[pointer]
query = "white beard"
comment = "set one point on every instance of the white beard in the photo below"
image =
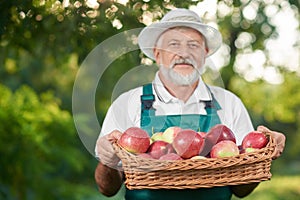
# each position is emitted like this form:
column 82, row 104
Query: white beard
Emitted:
column 179, row 79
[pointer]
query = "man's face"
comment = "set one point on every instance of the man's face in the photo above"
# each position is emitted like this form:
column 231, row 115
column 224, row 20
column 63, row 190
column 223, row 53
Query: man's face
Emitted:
column 180, row 53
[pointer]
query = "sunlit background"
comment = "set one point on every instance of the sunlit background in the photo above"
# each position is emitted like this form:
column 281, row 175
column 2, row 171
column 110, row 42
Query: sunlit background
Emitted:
column 280, row 49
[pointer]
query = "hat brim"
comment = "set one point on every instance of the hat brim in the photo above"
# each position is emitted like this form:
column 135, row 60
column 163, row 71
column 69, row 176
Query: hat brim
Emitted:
column 148, row 36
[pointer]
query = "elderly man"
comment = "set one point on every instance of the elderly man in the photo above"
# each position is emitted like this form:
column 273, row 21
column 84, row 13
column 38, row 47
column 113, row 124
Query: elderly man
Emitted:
column 179, row 44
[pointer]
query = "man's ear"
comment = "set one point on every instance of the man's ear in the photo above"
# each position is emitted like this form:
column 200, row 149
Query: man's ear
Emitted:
column 156, row 54
column 206, row 50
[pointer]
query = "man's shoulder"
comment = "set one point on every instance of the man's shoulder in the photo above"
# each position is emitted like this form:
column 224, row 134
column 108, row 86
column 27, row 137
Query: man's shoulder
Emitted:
column 220, row 92
column 219, row 89
column 129, row 94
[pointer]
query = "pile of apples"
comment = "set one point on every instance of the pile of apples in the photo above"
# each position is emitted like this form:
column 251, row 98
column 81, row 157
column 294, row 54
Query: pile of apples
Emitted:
column 176, row 143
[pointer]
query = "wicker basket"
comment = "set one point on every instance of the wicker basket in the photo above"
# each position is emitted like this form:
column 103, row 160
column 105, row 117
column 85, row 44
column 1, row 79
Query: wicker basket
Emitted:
column 143, row 173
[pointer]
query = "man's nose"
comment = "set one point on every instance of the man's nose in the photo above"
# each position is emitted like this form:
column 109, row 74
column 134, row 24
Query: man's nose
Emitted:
column 184, row 51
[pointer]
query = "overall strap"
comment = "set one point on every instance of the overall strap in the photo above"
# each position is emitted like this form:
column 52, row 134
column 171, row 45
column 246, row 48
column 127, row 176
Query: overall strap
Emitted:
column 147, row 99
column 211, row 105
column 147, row 110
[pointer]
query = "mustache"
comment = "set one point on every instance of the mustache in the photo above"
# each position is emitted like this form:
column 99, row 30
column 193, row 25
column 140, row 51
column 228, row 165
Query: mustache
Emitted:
column 188, row 61
column 183, row 61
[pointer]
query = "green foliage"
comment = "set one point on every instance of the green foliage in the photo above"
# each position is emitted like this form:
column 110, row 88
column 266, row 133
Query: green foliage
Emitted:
column 278, row 188
column 277, row 107
column 273, row 102
column 235, row 23
column 40, row 150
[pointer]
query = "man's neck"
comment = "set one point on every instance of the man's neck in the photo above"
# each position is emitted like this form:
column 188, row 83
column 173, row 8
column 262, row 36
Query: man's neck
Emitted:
column 181, row 92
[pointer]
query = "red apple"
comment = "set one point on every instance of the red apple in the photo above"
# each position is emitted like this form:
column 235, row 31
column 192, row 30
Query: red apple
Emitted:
column 247, row 150
column 255, row 139
column 188, row 143
column 223, row 149
column 240, row 148
column 159, row 148
column 216, row 134
column 135, row 140
column 221, row 132
column 170, row 156
column 145, row 155
column 170, row 133
column 170, row 149
column 203, row 134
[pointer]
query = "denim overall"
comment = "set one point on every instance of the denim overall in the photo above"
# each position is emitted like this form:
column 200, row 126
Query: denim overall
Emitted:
column 152, row 124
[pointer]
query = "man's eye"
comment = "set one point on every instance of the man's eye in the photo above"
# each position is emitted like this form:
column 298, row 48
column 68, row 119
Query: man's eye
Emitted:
column 174, row 44
column 193, row 45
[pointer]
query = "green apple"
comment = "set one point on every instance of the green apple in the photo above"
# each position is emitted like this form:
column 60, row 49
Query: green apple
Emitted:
column 157, row 136
column 170, row 133
column 225, row 148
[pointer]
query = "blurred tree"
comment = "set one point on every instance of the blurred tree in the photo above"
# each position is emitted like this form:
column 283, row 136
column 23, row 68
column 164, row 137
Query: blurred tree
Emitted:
column 277, row 107
column 41, row 154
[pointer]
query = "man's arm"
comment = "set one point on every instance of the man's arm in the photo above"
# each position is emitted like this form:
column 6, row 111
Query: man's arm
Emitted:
column 109, row 180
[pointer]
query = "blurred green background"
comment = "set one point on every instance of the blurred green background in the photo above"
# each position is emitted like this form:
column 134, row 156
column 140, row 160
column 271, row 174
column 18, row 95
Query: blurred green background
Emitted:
column 43, row 43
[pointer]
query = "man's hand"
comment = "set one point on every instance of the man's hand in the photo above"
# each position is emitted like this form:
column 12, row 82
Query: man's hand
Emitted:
column 105, row 149
column 279, row 139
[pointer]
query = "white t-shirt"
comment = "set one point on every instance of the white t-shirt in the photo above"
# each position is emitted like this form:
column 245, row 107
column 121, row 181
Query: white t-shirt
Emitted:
column 125, row 111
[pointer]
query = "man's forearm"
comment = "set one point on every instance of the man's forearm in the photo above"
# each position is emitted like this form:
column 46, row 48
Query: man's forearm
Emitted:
column 109, row 180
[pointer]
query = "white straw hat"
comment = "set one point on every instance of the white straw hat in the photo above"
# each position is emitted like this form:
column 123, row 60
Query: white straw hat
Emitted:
column 179, row 17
